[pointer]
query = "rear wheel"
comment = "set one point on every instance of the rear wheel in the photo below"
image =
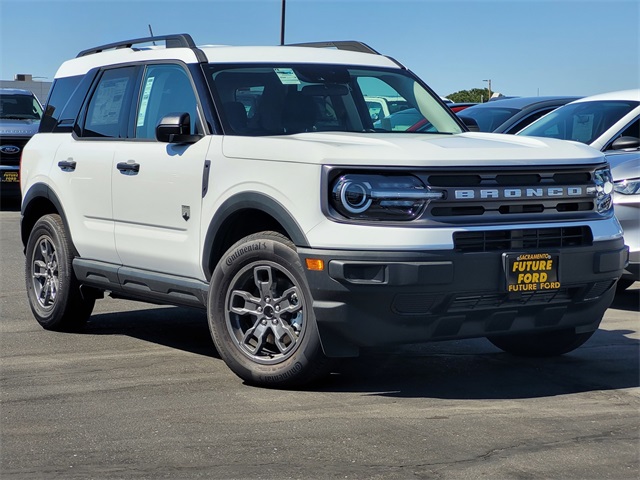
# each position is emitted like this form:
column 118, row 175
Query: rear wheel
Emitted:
column 52, row 288
column 541, row 344
column 260, row 314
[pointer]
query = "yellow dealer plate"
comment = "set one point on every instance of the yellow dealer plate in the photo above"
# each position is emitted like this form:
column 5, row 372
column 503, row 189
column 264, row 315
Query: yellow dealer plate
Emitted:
column 531, row 272
column 10, row 177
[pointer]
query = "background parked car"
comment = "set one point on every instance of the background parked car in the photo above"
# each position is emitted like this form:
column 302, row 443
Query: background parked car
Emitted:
column 609, row 122
column 458, row 107
column 20, row 114
column 510, row 115
column 625, row 168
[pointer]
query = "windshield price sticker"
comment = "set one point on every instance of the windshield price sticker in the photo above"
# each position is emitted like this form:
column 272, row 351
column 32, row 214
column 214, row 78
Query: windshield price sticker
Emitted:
column 531, row 272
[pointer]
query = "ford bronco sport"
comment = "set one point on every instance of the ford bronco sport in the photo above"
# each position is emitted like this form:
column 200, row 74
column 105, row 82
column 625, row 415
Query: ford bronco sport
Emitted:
column 252, row 182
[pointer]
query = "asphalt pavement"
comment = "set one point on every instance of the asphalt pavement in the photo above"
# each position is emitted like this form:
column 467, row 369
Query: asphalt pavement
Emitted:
column 141, row 393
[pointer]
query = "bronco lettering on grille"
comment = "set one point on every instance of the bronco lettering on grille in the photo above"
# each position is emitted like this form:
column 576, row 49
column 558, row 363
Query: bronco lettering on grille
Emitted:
column 537, row 192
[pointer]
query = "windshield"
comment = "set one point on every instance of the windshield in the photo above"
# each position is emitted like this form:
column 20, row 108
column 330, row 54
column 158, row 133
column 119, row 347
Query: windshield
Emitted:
column 583, row 121
column 488, row 118
column 19, row 107
column 287, row 99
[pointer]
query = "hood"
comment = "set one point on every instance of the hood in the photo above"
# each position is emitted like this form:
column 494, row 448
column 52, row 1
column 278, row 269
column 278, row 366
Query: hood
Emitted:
column 624, row 165
column 411, row 149
column 15, row 127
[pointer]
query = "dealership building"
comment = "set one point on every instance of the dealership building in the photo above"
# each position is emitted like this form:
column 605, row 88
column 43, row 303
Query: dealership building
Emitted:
column 27, row 82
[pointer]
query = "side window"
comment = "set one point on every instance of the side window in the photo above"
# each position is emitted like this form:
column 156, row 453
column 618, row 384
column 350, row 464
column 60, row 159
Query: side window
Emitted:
column 165, row 89
column 60, row 94
column 108, row 110
column 631, row 130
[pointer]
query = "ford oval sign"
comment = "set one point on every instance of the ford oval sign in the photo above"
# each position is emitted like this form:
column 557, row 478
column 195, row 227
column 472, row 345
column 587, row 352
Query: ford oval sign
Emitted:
column 9, row 149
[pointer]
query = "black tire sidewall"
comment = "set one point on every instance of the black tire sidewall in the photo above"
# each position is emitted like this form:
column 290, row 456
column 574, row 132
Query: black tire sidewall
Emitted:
column 297, row 368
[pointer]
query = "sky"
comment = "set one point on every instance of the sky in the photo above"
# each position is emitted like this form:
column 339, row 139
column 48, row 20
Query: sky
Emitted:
column 525, row 47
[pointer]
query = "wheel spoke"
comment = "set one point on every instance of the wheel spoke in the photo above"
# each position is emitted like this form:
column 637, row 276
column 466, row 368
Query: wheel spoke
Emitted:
column 45, row 250
column 258, row 332
column 249, row 306
column 288, row 302
column 44, row 292
column 264, row 281
column 285, row 337
column 39, row 269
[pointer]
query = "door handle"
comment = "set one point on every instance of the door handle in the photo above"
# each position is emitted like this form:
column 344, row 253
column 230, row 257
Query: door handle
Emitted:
column 128, row 168
column 68, row 165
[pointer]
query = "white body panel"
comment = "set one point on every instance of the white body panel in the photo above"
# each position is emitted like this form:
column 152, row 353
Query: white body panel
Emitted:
column 148, row 207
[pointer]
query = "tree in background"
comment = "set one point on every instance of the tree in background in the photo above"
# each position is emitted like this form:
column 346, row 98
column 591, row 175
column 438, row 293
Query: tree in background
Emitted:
column 476, row 95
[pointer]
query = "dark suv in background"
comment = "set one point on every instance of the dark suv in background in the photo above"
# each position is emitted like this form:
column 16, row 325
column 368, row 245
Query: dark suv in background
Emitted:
column 20, row 114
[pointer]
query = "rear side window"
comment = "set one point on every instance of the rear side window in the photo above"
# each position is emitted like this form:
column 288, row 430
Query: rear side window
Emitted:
column 61, row 92
column 108, row 109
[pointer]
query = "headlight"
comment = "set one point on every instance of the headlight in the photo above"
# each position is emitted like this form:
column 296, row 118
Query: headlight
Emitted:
column 627, row 187
column 380, row 197
column 604, row 187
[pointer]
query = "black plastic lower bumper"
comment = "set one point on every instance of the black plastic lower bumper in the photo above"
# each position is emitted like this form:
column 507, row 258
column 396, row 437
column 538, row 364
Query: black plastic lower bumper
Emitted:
column 370, row 298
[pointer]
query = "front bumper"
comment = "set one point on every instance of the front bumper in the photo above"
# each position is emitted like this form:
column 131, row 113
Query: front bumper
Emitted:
column 371, row 298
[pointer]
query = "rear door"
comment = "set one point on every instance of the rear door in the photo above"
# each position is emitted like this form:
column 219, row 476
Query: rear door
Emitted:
column 83, row 164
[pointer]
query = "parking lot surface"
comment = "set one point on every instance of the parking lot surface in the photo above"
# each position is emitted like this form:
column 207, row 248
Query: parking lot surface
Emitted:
column 141, row 393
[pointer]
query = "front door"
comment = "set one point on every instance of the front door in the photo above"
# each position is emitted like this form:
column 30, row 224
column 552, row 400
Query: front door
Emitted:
column 157, row 187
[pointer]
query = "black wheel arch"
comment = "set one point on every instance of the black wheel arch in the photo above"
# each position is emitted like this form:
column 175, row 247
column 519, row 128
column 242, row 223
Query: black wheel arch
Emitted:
column 242, row 215
column 40, row 200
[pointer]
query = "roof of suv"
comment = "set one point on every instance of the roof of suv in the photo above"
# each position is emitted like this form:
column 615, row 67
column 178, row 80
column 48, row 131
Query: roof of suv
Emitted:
column 301, row 53
column 15, row 91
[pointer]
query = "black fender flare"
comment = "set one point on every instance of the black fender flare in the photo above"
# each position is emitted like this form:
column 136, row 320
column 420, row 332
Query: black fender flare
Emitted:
column 39, row 190
column 252, row 201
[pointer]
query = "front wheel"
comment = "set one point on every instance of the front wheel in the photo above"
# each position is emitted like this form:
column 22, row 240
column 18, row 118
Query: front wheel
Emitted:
column 261, row 316
column 541, row 344
column 52, row 288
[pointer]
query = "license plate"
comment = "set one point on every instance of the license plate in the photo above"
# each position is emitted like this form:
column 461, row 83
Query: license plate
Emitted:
column 10, row 177
column 531, row 272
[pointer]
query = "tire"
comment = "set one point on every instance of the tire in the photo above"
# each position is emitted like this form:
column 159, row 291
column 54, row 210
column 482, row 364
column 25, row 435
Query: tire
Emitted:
column 260, row 314
column 52, row 288
column 542, row 344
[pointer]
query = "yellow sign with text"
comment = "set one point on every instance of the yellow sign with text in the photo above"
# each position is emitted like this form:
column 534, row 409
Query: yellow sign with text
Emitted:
column 531, row 272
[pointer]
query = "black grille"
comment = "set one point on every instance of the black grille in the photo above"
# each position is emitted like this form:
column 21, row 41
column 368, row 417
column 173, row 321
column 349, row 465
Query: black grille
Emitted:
column 472, row 302
column 503, row 240
column 9, row 156
column 518, row 194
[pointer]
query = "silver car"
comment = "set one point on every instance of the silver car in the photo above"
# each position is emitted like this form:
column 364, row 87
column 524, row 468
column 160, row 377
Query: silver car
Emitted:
column 625, row 168
column 609, row 122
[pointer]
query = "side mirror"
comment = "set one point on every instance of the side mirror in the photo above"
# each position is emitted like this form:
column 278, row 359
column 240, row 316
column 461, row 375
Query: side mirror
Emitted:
column 470, row 123
column 623, row 143
column 176, row 128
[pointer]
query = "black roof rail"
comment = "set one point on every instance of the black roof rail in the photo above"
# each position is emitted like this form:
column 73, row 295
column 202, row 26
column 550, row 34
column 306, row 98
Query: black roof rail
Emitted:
column 179, row 40
column 351, row 45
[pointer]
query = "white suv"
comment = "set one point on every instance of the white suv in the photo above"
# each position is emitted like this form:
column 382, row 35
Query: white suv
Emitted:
column 251, row 182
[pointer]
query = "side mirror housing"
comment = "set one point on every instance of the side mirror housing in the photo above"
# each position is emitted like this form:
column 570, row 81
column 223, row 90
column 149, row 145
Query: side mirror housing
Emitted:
column 623, row 143
column 470, row 123
column 176, row 128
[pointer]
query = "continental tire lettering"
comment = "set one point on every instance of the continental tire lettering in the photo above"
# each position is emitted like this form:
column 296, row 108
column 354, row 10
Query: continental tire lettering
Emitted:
column 243, row 250
column 283, row 376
